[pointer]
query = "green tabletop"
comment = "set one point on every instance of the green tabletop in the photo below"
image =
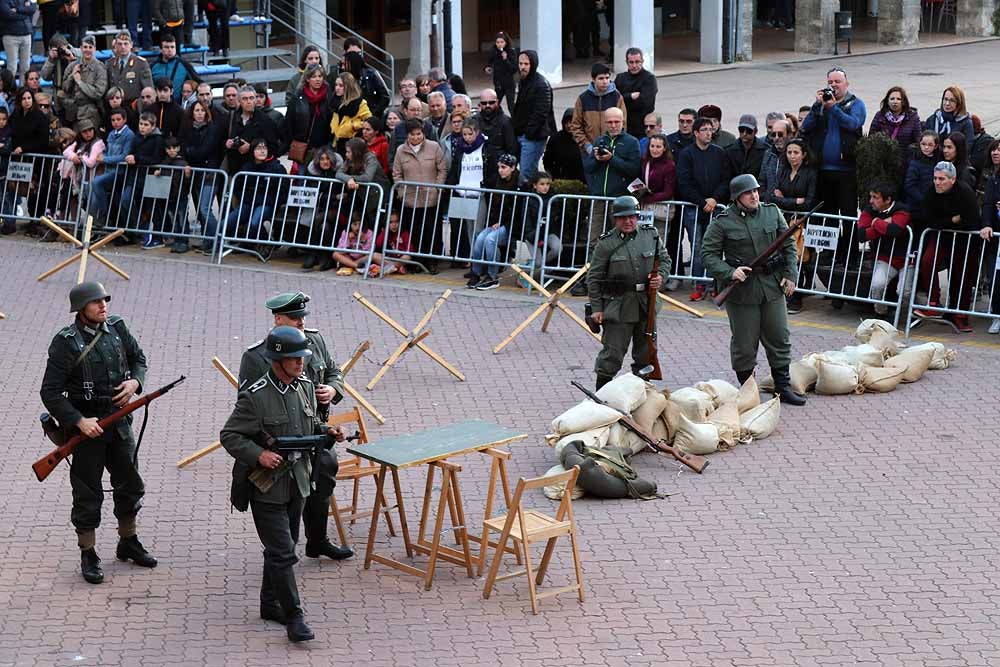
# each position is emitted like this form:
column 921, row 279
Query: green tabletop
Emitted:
column 434, row 444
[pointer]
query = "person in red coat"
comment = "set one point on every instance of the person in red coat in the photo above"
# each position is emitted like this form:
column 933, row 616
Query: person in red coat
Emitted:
column 372, row 131
column 884, row 224
column 659, row 173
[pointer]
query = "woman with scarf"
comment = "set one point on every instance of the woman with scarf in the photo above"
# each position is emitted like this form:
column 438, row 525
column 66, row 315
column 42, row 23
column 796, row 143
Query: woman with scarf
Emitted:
column 952, row 116
column 309, row 115
column 467, row 169
column 897, row 119
column 374, row 135
column 351, row 112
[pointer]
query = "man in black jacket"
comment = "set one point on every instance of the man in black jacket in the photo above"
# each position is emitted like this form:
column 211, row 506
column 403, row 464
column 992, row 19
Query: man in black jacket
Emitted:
column 533, row 120
column 638, row 87
column 243, row 127
column 499, row 133
column 747, row 154
column 684, row 136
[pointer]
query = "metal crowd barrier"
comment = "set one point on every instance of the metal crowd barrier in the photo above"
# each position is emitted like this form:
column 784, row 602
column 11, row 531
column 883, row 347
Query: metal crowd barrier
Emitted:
column 267, row 211
column 971, row 267
column 571, row 219
column 422, row 207
column 849, row 269
column 160, row 201
column 682, row 226
column 32, row 186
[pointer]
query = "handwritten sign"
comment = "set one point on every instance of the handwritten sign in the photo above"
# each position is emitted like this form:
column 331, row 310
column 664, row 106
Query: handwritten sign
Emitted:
column 303, row 196
column 20, row 171
column 821, row 238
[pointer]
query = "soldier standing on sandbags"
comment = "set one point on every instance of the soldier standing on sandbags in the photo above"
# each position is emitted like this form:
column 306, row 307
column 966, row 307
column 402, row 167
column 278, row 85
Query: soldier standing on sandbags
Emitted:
column 616, row 283
column 756, row 308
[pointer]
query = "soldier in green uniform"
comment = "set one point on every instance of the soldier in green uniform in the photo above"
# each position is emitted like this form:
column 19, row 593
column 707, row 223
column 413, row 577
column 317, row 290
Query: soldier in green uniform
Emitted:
column 281, row 402
column 95, row 366
column 289, row 309
column 620, row 268
column 756, row 307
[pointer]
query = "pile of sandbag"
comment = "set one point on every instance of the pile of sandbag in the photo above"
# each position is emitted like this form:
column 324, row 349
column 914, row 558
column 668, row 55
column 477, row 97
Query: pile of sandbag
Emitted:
column 878, row 363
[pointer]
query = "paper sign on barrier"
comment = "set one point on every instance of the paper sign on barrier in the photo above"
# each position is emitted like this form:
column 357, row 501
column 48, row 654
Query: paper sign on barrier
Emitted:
column 463, row 208
column 646, row 217
column 821, row 238
column 156, row 187
column 303, row 196
column 20, row 171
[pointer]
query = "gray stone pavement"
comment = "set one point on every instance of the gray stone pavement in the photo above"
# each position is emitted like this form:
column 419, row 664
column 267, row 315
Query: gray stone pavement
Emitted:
column 863, row 532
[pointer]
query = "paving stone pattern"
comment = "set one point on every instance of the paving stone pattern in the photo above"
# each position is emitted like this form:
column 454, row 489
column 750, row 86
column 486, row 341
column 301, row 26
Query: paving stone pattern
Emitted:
column 863, row 532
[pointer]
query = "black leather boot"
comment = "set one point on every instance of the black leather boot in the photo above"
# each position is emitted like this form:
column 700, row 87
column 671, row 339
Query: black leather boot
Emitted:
column 329, row 550
column 90, row 566
column 310, row 261
column 782, row 380
column 743, row 376
column 603, row 380
column 298, row 631
column 272, row 612
column 130, row 548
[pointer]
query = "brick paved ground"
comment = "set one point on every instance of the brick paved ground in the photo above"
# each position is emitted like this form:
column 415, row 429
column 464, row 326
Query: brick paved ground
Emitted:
column 863, row 532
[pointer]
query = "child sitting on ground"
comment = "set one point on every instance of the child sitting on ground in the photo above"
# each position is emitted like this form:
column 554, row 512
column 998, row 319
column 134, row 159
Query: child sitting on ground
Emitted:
column 357, row 243
column 398, row 245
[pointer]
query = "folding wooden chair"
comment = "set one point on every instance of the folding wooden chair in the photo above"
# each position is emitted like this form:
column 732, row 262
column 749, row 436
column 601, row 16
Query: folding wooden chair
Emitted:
column 526, row 526
column 354, row 469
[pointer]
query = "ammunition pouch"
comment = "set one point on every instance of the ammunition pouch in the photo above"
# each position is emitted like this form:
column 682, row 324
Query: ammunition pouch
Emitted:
column 239, row 492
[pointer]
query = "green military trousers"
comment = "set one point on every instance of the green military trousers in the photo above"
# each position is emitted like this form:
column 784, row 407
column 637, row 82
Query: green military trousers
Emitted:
column 616, row 340
column 759, row 323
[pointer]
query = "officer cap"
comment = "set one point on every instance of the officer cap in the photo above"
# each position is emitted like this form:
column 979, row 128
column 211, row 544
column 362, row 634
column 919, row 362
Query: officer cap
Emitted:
column 742, row 183
column 84, row 293
column 624, row 205
column 292, row 304
column 284, row 342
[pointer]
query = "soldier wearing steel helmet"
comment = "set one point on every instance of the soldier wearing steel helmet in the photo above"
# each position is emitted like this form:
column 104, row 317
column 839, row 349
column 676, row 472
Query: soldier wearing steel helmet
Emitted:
column 95, row 366
column 289, row 309
column 281, row 402
column 620, row 271
column 756, row 307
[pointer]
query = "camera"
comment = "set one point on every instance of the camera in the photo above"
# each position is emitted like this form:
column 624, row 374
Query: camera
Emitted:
column 827, row 94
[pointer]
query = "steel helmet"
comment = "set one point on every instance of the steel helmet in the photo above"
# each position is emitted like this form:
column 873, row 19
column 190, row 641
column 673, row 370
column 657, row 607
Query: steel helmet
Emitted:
column 284, row 342
column 84, row 293
column 624, row 205
column 742, row 183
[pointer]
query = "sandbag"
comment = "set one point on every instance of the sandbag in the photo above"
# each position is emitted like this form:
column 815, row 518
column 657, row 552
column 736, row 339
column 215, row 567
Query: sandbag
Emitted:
column 650, row 409
column 864, row 355
column 886, row 343
column 916, row 362
column 671, row 418
column 556, row 491
column 760, row 422
column 865, row 330
column 720, row 391
column 748, row 396
column 880, row 379
column 595, row 437
column 802, row 378
column 626, row 392
column 696, row 438
column 835, row 379
column 727, row 419
column 584, row 416
column 942, row 357
column 606, row 476
column 635, row 444
column 693, row 403
column 617, row 436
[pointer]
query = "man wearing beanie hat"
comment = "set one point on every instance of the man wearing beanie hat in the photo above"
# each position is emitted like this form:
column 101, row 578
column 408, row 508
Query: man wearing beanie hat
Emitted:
column 720, row 137
column 747, row 154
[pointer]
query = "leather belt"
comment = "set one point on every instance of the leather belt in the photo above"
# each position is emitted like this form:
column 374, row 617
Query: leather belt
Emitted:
column 640, row 287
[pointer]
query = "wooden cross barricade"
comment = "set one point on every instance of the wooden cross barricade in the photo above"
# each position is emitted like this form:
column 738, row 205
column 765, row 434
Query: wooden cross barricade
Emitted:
column 411, row 338
column 87, row 249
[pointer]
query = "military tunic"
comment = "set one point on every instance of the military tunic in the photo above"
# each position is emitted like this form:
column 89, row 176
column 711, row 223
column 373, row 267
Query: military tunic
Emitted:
column 85, row 99
column 77, row 386
column 271, row 406
column 756, row 307
column 616, row 283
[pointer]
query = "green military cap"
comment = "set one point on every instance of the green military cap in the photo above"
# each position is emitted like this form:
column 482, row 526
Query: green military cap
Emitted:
column 292, row 304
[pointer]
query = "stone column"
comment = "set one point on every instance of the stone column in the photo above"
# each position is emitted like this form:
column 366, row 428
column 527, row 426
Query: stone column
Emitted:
column 541, row 31
column 975, row 18
column 711, row 31
column 746, row 10
column 814, row 25
column 420, row 37
column 312, row 24
column 899, row 22
column 634, row 26
column 456, row 38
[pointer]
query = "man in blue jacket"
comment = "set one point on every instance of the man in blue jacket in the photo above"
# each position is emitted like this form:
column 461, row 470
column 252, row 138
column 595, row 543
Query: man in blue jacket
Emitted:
column 119, row 146
column 170, row 65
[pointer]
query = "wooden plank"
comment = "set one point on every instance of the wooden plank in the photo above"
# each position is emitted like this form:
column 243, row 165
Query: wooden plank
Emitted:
column 430, row 445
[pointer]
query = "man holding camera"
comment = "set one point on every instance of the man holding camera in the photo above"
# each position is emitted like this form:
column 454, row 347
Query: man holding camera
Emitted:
column 244, row 126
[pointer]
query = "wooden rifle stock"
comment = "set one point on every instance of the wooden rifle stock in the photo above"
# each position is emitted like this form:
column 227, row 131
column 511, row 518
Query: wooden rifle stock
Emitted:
column 44, row 466
column 654, row 358
column 694, row 461
column 762, row 259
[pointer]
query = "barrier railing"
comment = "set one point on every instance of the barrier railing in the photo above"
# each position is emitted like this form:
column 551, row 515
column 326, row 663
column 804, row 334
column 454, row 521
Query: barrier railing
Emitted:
column 575, row 222
column 682, row 225
column 955, row 269
column 35, row 185
column 422, row 207
column 266, row 211
column 158, row 202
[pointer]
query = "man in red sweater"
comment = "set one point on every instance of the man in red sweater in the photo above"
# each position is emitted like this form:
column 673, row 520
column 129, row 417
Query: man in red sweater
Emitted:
column 884, row 223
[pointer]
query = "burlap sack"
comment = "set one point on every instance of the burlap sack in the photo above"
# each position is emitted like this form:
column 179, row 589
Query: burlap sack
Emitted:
column 885, row 342
column 880, row 379
column 916, row 362
column 864, row 355
column 748, row 396
column 626, row 392
column 596, row 438
column 865, row 330
column 556, row 491
column 671, row 418
column 617, row 436
column 727, row 419
column 720, row 391
column 650, row 409
column 942, row 357
column 835, row 379
column 637, row 444
column 760, row 422
column 694, row 403
column 696, row 438
column 802, row 378
column 582, row 417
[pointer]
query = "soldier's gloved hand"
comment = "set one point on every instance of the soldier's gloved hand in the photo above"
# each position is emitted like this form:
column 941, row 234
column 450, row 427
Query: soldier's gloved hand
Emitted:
column 787, row 286
column 125, row 391
column 89, row 427
column 269, row 459
column 324, row 393
column 741, row 273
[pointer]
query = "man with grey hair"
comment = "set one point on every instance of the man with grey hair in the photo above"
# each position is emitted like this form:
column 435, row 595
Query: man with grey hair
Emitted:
column 245, row 125
column 439, row 81
column 462, row 102
column 770, row 166
column 438, row 117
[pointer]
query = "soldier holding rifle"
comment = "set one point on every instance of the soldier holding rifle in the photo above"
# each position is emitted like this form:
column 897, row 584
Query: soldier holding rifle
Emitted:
column 617, row 283
column 756, row 309
column 95, row 365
